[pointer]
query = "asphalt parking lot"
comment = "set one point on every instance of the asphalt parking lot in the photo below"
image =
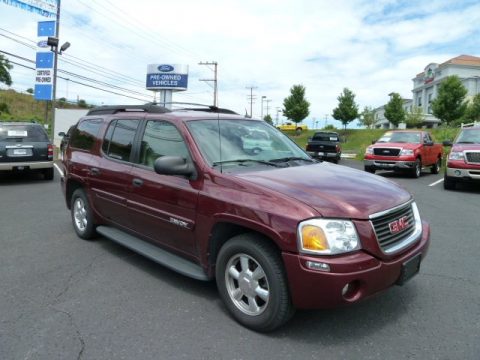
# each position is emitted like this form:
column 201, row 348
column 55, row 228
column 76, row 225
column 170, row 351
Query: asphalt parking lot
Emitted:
column 65, row 298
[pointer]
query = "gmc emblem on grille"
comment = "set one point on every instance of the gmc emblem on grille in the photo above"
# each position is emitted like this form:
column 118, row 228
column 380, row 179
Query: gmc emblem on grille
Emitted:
column 399, row 225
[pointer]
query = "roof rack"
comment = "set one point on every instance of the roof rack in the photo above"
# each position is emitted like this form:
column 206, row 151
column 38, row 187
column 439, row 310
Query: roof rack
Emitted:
column 113, row 109
column 199, row 107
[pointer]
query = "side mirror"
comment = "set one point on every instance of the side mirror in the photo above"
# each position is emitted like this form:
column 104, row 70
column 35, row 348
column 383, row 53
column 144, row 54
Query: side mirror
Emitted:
column 374, row 141
column 61, row 133
column 447, row 143
column 174, row 165
column 428, row 143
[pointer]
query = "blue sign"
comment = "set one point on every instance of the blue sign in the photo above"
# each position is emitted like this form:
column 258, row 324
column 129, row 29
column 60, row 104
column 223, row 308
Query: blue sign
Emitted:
column 44, row 60
column 46, row 8
column 43, row 92
column 167, row 81
column 46, row 28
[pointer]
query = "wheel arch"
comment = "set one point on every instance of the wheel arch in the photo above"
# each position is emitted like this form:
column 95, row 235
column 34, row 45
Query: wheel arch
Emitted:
column 70, row 188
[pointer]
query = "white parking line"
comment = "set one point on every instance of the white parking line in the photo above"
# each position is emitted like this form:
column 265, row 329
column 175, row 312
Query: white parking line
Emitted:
column 58, row 169
column 436, row 182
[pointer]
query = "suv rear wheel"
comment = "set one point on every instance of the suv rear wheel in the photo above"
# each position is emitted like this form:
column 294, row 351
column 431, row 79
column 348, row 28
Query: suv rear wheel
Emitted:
column 82, row 217
column 252, row 283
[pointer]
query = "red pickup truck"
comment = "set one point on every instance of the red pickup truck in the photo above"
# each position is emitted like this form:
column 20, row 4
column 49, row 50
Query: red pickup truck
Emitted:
column 404, row 150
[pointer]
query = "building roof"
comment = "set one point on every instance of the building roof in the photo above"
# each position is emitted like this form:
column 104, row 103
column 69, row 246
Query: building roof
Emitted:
column 467, row 60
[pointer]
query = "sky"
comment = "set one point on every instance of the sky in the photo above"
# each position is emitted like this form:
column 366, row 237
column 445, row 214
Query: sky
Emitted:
column 371, row 47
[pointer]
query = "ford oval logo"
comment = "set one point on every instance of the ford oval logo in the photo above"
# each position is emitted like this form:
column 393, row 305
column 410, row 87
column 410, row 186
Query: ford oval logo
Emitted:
column 42, row 44
column 165, row 68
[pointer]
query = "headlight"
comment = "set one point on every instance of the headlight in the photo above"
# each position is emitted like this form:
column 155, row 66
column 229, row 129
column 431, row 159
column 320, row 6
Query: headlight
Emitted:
column 456, row 156
column 327, row 237
column 369, row 151
column 406, row 152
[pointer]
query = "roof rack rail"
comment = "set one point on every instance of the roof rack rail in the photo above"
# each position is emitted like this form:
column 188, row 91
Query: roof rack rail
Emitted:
column 114, row 109
column 199, row 107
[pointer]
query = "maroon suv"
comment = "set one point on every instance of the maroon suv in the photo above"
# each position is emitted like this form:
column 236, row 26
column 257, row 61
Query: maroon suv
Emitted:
column 277, row 229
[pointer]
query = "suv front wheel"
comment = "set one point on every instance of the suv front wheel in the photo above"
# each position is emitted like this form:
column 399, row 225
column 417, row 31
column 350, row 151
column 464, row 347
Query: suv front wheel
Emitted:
column 82, row 217
column 252, row 283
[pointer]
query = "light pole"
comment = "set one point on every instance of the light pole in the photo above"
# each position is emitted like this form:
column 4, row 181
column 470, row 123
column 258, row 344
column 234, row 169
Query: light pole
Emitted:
column 268, row 101
column 261, row 110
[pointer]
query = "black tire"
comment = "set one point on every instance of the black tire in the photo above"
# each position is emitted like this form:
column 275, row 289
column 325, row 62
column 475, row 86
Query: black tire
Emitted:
column 82, row 216
column 435, row 169
column 263, row 302
column 449, row 183
column 369, row 169
column 417, row 169
column 48, row 174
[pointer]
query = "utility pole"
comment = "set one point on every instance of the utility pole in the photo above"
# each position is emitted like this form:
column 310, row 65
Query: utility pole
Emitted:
column 268, row 101
column 251, row 97
column 278, row 112
column 326, row 118
column 215, row 80
column 261, row 110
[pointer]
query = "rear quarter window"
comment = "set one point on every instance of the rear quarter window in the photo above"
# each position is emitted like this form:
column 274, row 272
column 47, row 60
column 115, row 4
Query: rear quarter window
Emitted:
column 84, row 135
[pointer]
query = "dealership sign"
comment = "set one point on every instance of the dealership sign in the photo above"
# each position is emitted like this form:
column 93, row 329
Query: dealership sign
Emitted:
column 47, row 8
column 167, row 77
column 44, row 61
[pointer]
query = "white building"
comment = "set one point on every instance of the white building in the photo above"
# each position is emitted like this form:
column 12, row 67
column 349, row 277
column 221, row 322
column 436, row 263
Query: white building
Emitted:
column 425, row 86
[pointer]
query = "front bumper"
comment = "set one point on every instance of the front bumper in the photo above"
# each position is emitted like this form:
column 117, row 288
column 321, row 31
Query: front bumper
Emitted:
column 324, row 155
column 316, row 289
column 390, row 164
column 32, row 165
column 463, row 174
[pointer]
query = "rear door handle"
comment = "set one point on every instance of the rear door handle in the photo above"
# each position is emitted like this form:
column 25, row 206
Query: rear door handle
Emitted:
column 94, row 171
column 137, row 182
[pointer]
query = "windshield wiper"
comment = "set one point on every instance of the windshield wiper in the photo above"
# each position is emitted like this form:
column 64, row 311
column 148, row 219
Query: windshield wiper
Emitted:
column 242, row 161
column 292, row 158
column 466, row 142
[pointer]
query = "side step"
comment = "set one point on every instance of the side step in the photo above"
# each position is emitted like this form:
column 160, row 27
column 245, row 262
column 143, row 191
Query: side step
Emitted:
column 165, row 258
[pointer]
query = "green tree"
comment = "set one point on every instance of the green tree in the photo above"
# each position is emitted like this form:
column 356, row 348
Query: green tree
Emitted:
column 473, row 109
column 268, row 119
column 296, row 107
column 5, row 66
column 450, row 105
column 347, row 109
column 4, row 108
column 415, row 117
column 82, row 104
column 367, row 117
column 30, row 90
column 394, row 111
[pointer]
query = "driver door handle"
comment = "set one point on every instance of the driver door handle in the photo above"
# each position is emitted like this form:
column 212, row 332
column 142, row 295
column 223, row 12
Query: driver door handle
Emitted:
column 137, row 182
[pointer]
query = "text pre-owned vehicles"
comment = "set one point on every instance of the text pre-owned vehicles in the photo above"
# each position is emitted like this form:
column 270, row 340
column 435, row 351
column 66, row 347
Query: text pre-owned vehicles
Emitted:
column 325, row 145
column 25, row 147
column 463, row 162
column 275, row 228
column 404, row 150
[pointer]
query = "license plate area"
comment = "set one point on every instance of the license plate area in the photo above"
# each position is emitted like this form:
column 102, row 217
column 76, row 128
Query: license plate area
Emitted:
column 410, row 268
column 21, row 152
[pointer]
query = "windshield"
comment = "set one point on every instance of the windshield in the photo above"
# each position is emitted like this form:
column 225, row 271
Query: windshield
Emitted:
column 22, row 133
column 400, row 137
column 325, row 137
column 243, row 143
column 469, row 137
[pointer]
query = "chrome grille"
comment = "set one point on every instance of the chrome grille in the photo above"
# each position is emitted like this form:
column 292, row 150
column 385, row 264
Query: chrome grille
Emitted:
column 386, row 151
column 473, row 156
column 381, row 224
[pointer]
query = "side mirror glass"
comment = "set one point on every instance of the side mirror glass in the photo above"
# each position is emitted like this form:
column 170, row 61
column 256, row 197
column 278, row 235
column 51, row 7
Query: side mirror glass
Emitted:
column 61, row 133
column 447, row 143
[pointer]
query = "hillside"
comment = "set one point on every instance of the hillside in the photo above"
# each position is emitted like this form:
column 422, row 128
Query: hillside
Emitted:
column 23, row 107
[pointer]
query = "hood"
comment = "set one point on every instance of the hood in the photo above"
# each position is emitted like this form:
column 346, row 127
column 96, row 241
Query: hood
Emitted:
column 465, row 147
column 333, row 190
column 396, row 145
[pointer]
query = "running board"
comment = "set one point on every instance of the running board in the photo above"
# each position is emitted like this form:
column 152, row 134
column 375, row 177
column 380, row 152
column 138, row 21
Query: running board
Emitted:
column 165, row 258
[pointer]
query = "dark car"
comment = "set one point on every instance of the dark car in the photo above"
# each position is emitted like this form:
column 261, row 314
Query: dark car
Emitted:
column 325, row 145
column 25, row 147
column 275, row 228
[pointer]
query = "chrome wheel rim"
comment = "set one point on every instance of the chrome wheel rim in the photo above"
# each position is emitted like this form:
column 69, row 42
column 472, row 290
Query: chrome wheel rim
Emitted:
column 80, row 214
column 247, row 284
column 418, row 168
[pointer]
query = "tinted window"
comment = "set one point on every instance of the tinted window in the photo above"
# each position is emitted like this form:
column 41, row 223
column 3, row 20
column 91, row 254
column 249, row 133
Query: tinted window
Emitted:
column 325, row 137
column 161, row 138
column 23, row 133
column 84, row 135
column 122, row 135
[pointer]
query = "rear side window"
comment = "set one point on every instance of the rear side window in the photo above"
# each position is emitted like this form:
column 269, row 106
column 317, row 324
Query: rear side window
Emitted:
column 84, row 135
column 118, row 139
column 23, row 133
